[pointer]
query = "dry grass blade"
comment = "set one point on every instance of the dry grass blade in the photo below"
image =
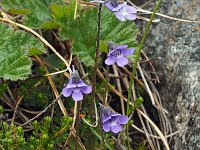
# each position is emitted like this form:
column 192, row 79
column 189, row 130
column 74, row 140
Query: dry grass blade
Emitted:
column 53, row 87
column 162, row 15
column 156, row 129
column 119, row 87
column 146, row 85
column 15, row 110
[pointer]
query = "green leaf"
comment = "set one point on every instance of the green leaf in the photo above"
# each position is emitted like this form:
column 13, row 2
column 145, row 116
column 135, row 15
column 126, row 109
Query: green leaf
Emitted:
column 137, row 103
column 1, row 109
column 15, row 46
column 103, row 47
column 36, row 12
column 83, row 32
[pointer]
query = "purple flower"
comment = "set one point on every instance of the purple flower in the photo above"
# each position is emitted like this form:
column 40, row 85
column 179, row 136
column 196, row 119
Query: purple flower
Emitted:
column 118, row 53
column 111, row 120
column 76, row 87
column 122, row 11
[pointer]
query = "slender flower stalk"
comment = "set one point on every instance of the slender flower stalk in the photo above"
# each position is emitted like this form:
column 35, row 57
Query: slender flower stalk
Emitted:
column 96, row 59
column 91, row 139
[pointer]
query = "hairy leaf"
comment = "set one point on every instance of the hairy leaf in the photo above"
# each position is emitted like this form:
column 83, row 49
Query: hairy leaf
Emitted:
column 15, row 46
column 36, row 12
column 83, row 32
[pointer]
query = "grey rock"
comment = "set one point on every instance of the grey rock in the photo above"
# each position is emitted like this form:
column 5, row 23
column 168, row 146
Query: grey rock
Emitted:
column 178, row 43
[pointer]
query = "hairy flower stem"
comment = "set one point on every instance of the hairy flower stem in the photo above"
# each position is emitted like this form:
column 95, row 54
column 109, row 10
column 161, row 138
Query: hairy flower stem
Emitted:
column 77, row 123
column 137, row 54
column 96, row 60
column 92, row 140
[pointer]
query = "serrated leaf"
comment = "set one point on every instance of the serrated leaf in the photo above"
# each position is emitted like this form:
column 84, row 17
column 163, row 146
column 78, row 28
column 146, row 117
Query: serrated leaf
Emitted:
column 83, row 32
column 36, row 12
column 14, row 49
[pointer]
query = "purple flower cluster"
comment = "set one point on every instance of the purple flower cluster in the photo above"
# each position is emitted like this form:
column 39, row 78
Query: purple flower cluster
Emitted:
column 122, row 11
column 118, row 54
column 112, row 121
column 76, row 87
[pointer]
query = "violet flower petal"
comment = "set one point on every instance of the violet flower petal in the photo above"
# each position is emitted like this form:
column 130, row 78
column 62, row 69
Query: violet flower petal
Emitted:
column 114, row 114
column 127, row 51
column 116, row 128
column 130, row 16
column 112, row 50
column 81, row 84
column 109, row 5
column 106, row 127
column 119, row 16
column 106, row 116
column 77, row 95
column 86, row 89
column 122, row 61
column 122, row 119
column 131, row 9
column 121, row 46
column 70, row 84
column 66, row 92
column 109, row 61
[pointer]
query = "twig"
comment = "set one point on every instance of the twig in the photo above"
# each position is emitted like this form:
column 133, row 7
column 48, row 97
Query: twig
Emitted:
column 62, row 71
column 1, row 147
column 96, row 116
column 15, row 110
column 72, row 133
column 43, row 111
column 61, row 105
column 162, row 15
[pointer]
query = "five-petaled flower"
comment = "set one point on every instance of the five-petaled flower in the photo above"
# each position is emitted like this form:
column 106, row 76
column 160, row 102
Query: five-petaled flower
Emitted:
column 118, row 53
column 122, row 11
column 76, row 87
column 111, row 120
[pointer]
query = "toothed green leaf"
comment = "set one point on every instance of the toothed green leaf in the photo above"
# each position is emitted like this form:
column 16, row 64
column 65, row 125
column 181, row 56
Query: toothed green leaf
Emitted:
column 15, row 47
column 36, row 12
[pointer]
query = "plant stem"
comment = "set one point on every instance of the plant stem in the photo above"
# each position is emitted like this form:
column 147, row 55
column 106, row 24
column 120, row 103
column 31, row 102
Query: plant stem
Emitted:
column 96, row 58
column 77, row 124
column 137, row 53
column 92, row 139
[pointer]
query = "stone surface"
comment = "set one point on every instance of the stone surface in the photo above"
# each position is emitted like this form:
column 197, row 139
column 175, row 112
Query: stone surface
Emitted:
column 178, row 43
